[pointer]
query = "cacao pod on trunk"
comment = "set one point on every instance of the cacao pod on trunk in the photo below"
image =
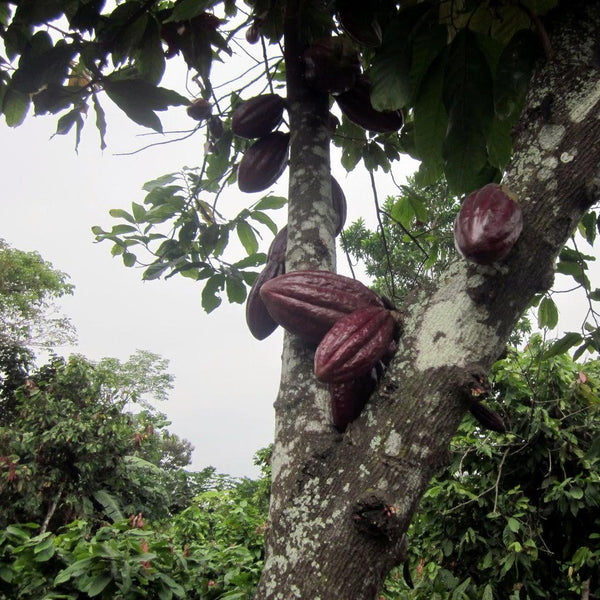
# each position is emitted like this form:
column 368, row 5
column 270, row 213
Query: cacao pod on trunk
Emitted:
column 258, row 319
column 354, row 345
column 331, row 65
column 487, row 417
column 257, row 116
column 489, row 223
column 309, row 303
column 278, row 247
column 339, row 204
column 349, row 398
column 263, row 162
column 356, row 105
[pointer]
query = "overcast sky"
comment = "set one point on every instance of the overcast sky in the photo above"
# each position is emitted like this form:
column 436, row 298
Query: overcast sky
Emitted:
column 226, row 381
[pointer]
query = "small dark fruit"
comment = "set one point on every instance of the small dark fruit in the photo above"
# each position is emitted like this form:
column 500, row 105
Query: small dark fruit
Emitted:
column 200, row 109
column 257, row 116
column 263, row 162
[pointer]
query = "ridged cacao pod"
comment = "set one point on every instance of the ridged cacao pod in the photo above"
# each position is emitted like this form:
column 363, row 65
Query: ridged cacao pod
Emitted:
column 489, row 223
column 200, row 109
column 487, row 417
column 257, row 116
column 253, row 33
column 263, row 162
column 278, row 247
column 258, row 319
column 309, row 303
column 354, row 345
column 356, row 105
column 349, row 398
column 331, row 65
column 339, row 204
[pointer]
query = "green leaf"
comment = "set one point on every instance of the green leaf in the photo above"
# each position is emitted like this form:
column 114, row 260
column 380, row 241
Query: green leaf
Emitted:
column 513, row 524
column 66, row 122
column 428, row 46
column 547, row 313
column 247, row 237
column 210, row 298
column 270, row 203
column 128, row 259
column 139, row 212
column 154, row 271
column 403, row 212
column 236, row 290
column 100, row 121
column 15, row 106
column 261, row 217
column 188, row 9
column 97, row 584
column 563, row 344
column 499, row 144
column 118, row 213
column 430, row 117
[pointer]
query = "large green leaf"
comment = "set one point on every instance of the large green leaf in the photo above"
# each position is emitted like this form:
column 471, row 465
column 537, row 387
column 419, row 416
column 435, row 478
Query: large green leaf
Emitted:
column 15, row 105
column 430, row 116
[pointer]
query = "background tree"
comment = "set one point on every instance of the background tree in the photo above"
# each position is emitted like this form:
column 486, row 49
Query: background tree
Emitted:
column 340, row 504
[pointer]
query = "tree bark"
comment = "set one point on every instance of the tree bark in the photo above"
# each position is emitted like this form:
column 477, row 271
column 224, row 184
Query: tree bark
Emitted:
column 341, row 504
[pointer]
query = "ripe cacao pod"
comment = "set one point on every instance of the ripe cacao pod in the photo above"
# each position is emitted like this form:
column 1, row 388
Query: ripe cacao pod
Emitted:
column 349, row 398
column 278, row 247
column 257, row 116
column 331, row 65
column 489, row 223
column 487, row 417
column 354, row 345
column 356, row 105
column 253, row 33
column 339, row 204
column 200, row 109
column 263, row 162
column 258, row 319
column 308, row 303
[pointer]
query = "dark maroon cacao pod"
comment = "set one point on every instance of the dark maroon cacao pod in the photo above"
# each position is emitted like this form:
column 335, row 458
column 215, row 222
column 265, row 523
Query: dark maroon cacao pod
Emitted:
column 349, row 398
column 257, row 116
column 489, row 223
column 263, row 162
column 258, row 319
column 278, row 247
column 487, row 417
column 339, row 204
column 331, row 65
column 215, row 127
column 253, row 33
column 356, row 105
column 354, row 345
column 308, row 303
column 200, row 109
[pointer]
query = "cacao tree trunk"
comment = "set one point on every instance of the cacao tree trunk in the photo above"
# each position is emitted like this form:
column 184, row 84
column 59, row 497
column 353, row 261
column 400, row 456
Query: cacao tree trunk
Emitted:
column 341, row 504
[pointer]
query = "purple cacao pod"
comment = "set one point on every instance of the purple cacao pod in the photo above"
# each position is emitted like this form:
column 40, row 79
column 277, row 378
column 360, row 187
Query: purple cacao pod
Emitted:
column 356, row 105
column 489, row 223
column 487, row 417
column 263, row 162
column 199, row 109
column 278, row 247
column 258, row 116
column 308, row 303
column 331, row 65
column 339, row 204
column 349, row 398
column 354, row 345
column 259, row 321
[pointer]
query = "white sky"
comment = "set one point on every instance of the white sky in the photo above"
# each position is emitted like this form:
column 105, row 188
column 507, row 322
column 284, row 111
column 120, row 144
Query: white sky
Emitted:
column 226, row 381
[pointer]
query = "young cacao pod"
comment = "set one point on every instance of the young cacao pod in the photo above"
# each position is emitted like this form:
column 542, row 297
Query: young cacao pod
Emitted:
column 263, row 162
column 253, row 33
column 354, row 345
column 257, row 116
column 308, row 303
column 487, row 417
column 339, row 204
column 349, row 398
column 331, row 65
column 199, row 109
column 259, row 321
column 489, row 223
column 356, row 105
